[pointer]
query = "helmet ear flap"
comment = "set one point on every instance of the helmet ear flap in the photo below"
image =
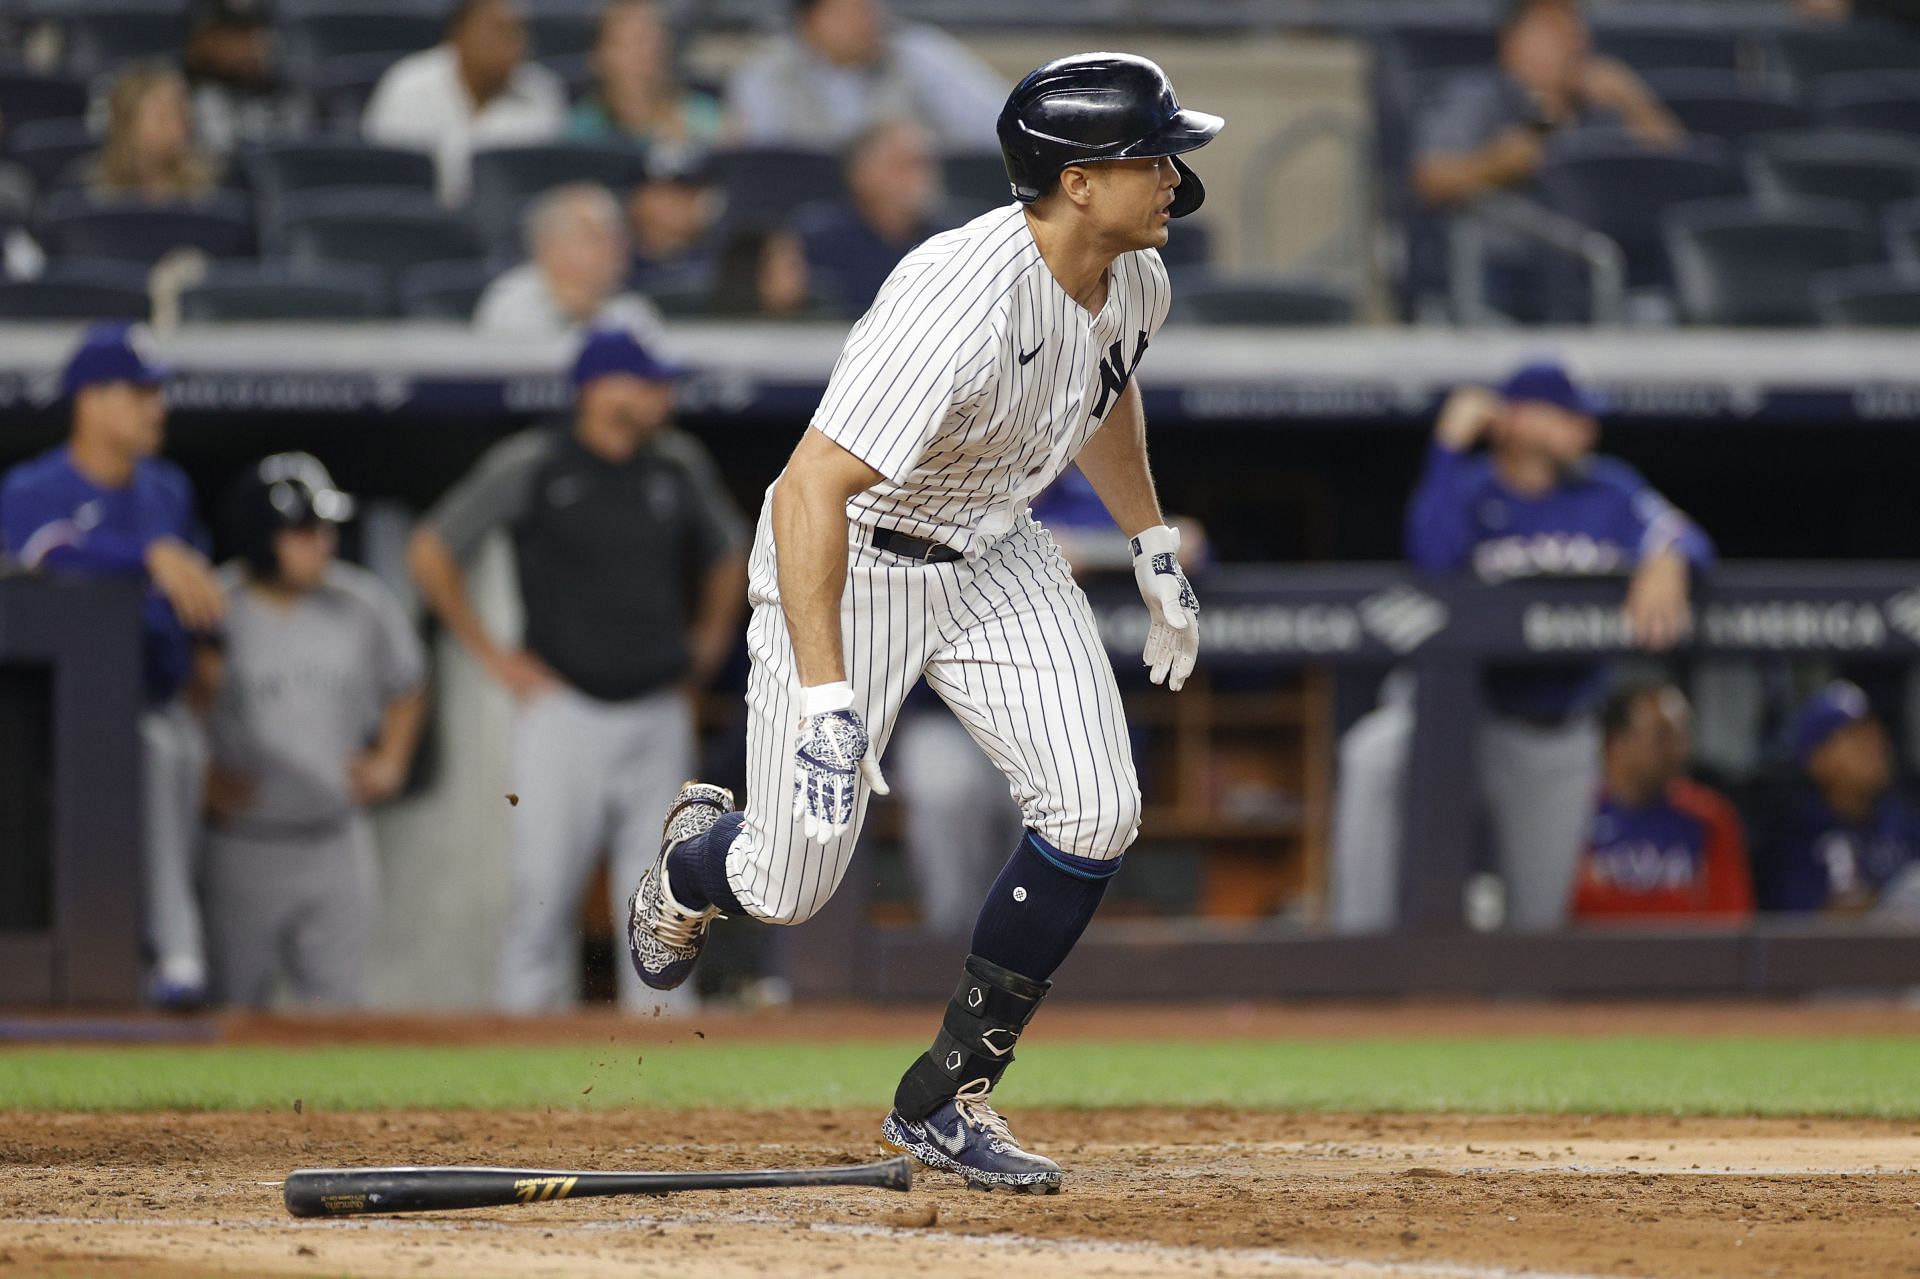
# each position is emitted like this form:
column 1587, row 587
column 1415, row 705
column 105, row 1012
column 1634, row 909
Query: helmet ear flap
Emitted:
column 1191, row 192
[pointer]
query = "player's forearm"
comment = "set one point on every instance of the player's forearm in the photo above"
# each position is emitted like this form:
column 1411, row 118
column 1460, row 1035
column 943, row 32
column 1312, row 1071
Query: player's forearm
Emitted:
column 1115, row 463
column 810, row 544
column 444, row 587
column 716, row 619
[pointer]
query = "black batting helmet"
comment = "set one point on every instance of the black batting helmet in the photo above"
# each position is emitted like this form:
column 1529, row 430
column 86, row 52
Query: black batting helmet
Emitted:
column 1099, row 106
column 287, row 490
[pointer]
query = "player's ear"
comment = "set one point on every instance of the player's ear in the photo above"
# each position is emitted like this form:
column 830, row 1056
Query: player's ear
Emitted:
column 1076, row 183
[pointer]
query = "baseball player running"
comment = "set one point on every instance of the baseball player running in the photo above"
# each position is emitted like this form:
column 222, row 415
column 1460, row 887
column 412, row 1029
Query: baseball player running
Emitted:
column 898, row 543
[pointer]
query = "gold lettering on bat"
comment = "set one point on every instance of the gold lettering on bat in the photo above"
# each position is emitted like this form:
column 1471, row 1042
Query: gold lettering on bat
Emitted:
column 543, row 1189
column 343, row 1203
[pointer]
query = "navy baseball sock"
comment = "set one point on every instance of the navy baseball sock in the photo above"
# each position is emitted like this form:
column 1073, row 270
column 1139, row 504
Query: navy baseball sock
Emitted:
column 697, row 869
column 1038, row 907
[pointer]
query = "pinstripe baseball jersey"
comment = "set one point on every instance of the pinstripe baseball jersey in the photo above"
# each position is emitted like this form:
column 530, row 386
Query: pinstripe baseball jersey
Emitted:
column 975, row 379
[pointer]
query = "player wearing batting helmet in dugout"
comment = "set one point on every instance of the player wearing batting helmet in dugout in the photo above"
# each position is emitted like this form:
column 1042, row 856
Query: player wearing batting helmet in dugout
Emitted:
column 898, row 544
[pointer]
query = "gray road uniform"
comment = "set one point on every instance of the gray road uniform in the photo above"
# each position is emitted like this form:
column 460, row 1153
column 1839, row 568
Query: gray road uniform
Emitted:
column 609, row 557
column 290, row 882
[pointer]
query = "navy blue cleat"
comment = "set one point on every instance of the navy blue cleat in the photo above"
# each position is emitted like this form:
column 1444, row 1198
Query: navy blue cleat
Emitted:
column 968, row 1137
column 664, row 938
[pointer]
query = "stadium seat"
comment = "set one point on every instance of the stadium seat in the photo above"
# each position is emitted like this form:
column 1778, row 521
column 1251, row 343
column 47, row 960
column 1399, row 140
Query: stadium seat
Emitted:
column 1872, row 297
column 559, row 32
column 16, row 195
column 682, row 299
column 50, row 149
column 1660, row 49
column 1810, row 54
column 443, row 290
column 505, row 179
column 102, row 36
column 78, row 290
column 341, row 85
column 1873, row 169
column 975, row 181
column 1902, row 225
column 1748, row 263
column 1620, row 189
column 1728, row 105
column 1887, row 100
column 1266, row 302
column 273, row 291
column 282, row 173
column 770, row 182
column 26, row 96
column 392, row 240
column 312, row 40
column 76, row 225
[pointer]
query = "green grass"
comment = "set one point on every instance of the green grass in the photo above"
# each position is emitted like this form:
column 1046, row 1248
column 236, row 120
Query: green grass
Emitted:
column 1543, row 1074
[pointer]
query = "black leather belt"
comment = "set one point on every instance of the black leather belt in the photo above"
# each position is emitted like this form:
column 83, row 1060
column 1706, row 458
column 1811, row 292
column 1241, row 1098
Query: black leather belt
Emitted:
column 909, row 547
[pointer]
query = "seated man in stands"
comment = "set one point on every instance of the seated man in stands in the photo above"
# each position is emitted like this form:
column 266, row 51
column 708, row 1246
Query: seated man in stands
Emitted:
column 1538, row 504
column 1662, row 844
column 892, row 184
column 1488, row 129
column 574, row 273
column 238, row 96
column 670, row 220
column 475, row 89
column 1846, row 843
column 845, row 66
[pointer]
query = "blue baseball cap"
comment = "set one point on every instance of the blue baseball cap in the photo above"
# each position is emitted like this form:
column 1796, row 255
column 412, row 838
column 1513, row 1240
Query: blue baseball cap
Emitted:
column 1827, row 712
column 1545, row 382
column 113, row 353
column 609, row 351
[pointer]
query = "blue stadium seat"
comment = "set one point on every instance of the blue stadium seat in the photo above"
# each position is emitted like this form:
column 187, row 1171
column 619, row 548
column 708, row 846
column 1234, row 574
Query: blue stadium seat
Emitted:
column 101, row 36
column 281, row 173
column 560, row 32
column 309, row 41
column 1809, row 54
column 1871, row 297
column 1902, row 225
column 51, row 149
column 1750, row 263
column 74, row 224
column 1622, row 189
column 1874, row 169
column 276, row 291
column 1272, row 302
column 26, row 96
column 975, row 181
column 1887, row 100
column 391, row 240
column 78, row 290
column 1727, row 104
column 1663, row 49
column 506, row 178
column 444, row 290
column 769, row 182
column 341, row 86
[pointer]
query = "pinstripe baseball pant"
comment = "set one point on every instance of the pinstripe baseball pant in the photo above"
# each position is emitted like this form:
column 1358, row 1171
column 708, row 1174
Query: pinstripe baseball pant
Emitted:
column 1006, row 638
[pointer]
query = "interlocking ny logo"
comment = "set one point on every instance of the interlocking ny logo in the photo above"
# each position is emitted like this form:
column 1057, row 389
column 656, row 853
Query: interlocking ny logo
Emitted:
column 1116, row 371
column 542, row 1189
column 1402, row 618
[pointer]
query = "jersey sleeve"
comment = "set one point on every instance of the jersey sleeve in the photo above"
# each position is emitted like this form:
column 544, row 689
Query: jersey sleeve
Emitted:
column 1439, row 535
column 922, row 352
column 496, row 492
column 38, row 529
column 1657, row 524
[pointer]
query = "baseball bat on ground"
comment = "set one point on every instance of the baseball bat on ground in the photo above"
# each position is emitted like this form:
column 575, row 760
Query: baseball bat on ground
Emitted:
column 343, row 1192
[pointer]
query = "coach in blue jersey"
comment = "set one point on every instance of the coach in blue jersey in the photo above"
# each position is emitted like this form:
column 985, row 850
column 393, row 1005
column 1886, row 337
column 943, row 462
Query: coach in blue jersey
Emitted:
column 105, row 505
column 1538, row 503
column 1847, row 842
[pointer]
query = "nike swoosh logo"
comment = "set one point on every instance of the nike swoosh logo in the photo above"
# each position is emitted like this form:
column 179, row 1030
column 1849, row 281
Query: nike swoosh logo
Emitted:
column 1028, row 355
column 955, row 1146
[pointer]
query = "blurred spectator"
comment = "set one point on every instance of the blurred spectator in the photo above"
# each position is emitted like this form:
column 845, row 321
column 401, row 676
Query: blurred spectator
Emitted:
column 893, row 183
column 236, row 93
column 846, row 65
column 1846, row 842
column 1539, row 504
column 475, row 89
column 620, row 527
column 149, row 151
column 762, row 274
column 106, row 505
column 572, row 280
column 1487, row 130
column 317, row 701
column 1662, row 844
column 670, row 218
column 637, row 96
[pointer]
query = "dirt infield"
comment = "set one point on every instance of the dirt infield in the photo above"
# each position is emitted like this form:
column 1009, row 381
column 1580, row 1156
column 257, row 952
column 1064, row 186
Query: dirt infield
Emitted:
column 1149, row 1193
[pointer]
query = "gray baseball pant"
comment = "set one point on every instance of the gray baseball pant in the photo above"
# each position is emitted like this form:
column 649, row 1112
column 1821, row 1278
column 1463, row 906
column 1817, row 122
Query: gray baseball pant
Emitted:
column 1538, row 786
column 297, row 906
column 590, row 776
column 174, row 765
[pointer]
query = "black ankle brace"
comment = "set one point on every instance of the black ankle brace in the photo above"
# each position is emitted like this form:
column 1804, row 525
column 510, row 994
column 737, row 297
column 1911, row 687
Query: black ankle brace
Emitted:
column 984, row 1019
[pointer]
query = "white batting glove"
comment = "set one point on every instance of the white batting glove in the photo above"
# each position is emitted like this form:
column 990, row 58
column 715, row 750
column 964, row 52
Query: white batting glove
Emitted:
column 1173, row 638
column 831, row 757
